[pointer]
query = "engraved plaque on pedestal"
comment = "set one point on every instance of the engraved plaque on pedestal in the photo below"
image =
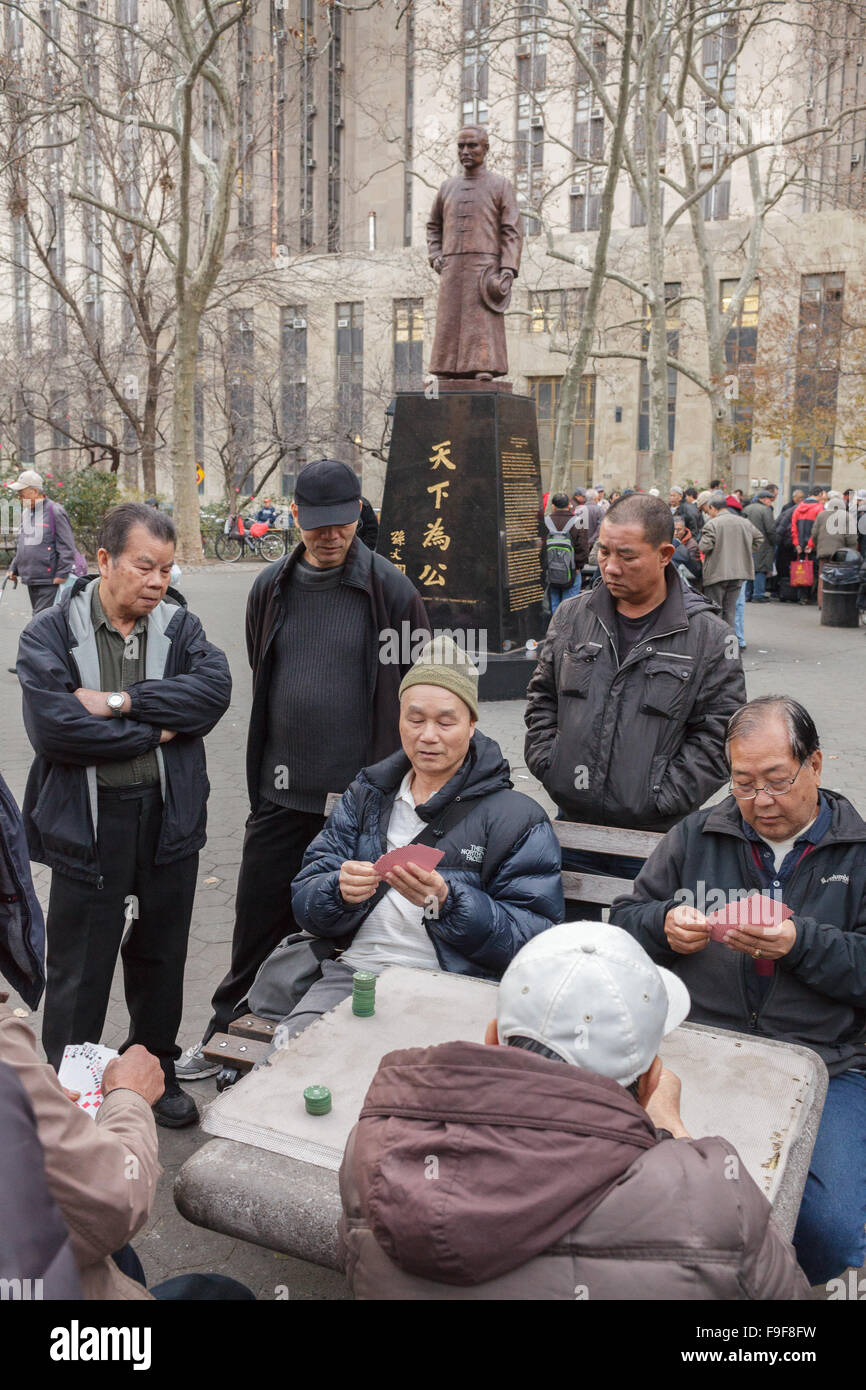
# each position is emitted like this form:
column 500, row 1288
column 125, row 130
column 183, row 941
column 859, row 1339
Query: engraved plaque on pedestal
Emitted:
column 461, row 517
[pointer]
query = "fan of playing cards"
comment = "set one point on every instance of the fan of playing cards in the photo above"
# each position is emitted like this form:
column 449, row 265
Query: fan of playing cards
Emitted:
column 757, row 910
column 81, row 1070
column 423, row 855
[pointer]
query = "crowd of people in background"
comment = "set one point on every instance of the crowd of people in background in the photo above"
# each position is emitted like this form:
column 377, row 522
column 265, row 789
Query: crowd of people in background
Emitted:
column 735, row 549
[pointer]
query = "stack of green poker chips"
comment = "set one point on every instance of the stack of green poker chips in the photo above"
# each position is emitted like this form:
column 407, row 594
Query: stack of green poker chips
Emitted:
column 363, row 993
column 317, row 1100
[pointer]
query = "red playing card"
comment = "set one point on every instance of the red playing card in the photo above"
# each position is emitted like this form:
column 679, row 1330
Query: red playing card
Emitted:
column 758, row 910
column 423, row 855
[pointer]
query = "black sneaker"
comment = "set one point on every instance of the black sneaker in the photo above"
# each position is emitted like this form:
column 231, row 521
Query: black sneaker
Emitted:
column 175, row 1108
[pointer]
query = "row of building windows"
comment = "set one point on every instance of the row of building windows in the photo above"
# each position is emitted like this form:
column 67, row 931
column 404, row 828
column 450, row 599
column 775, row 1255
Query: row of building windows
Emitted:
column 549, row 311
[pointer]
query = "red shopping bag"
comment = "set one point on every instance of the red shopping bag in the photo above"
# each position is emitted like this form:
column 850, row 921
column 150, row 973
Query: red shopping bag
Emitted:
column 802, row 574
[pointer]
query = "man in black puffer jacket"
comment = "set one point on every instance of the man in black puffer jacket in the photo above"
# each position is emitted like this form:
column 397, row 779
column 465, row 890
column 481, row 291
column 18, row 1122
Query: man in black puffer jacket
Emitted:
column 498, row 883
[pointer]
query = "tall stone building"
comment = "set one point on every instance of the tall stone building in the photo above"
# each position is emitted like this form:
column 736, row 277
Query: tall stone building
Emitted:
column 347, row 121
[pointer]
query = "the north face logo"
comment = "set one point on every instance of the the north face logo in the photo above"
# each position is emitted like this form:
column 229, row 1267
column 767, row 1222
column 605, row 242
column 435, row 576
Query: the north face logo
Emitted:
column 474, row 854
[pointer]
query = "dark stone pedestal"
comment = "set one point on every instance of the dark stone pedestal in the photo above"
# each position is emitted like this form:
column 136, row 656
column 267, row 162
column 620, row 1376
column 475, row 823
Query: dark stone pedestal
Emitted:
column 461, row 515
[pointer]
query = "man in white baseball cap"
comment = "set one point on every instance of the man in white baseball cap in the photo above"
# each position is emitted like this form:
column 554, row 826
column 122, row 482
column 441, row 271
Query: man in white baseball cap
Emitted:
column 561, row 1166
column 588, row 994
column 46, row 554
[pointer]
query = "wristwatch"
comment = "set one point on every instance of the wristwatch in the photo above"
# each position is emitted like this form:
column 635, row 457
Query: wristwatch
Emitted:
column 115, row 701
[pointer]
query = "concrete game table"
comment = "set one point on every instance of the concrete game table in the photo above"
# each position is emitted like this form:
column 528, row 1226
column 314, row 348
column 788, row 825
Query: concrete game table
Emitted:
column 270, row 1173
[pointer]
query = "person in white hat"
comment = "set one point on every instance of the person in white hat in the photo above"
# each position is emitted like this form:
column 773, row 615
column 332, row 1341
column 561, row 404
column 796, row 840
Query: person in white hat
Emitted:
column 588, row 994
column 553, row 1163
column 45, row 556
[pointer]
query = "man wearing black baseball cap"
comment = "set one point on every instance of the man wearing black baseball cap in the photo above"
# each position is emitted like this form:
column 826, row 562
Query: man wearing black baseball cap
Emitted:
column 324, row 705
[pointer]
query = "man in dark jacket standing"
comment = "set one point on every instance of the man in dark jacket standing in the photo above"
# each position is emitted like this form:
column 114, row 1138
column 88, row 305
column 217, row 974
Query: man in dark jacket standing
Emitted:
column 322, row 629
column 563, row 1168
column 636, row 681
column 785, row 551
column 120, row 686
column 802, row 980
column 498, row 884
column 760, row 513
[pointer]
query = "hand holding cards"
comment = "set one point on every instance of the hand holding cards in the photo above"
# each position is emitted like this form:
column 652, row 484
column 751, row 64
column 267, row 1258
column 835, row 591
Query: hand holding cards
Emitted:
column 758, row 910
column 419, row 884
column 81, row 1071
column 757, row 924
column 423, row 855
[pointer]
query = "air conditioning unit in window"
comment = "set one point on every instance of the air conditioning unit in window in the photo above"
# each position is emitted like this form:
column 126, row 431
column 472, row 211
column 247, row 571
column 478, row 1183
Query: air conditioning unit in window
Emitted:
column 342, row 323
column 299, row 323
column 537, row 122
column 578, row 190
column 311, row 164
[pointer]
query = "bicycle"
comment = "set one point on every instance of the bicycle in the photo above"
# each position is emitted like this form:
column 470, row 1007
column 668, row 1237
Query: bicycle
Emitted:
column 265, row 543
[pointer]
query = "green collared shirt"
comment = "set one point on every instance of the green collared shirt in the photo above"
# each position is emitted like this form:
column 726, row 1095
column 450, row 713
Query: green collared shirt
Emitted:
column 122, row 664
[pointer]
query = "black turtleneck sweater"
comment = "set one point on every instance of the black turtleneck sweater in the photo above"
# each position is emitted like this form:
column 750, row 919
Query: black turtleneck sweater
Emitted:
column 318, row 710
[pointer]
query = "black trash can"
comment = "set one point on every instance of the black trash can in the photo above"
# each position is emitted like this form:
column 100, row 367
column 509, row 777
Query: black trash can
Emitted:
column 840, row 585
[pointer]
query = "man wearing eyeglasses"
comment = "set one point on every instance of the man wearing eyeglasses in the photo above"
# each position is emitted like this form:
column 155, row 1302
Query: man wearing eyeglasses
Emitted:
column 803, row 981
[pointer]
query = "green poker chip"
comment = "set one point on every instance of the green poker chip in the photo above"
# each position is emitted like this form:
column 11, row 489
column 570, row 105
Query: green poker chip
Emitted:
column 317, row 1099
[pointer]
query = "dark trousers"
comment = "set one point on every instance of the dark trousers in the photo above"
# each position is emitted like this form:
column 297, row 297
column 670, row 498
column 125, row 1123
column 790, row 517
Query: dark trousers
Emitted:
column 203, row 1288
column 86, row 925
column 725, row 594
column 590, row 862
column 274, row 844
column 42, row 596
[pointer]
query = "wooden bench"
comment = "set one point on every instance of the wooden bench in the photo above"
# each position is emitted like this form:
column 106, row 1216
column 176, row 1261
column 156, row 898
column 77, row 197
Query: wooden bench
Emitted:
column 601, row 839
column 249, row 1039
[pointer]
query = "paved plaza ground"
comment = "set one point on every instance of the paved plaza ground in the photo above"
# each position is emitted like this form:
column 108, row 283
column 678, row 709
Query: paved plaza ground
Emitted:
column 788, row 652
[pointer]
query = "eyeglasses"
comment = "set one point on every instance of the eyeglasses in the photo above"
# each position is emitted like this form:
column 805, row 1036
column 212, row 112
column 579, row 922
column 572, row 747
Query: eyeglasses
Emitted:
column 778, row 788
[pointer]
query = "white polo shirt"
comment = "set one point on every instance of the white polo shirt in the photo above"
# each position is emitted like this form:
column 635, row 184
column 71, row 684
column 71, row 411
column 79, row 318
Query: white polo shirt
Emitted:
column 394, row 932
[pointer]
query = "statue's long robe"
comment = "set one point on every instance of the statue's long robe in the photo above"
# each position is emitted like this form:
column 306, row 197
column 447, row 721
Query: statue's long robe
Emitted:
column 474, row 222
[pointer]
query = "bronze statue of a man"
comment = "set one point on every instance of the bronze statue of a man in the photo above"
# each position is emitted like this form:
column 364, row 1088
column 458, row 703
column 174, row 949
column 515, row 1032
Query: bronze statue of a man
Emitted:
column 474, row 240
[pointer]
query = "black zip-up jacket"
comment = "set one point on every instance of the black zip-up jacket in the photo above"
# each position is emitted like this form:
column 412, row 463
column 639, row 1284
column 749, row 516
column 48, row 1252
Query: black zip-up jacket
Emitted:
column 817, row 995
column 395, row 606
column 187, row 689
column 22, row 927
column 641, row 744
